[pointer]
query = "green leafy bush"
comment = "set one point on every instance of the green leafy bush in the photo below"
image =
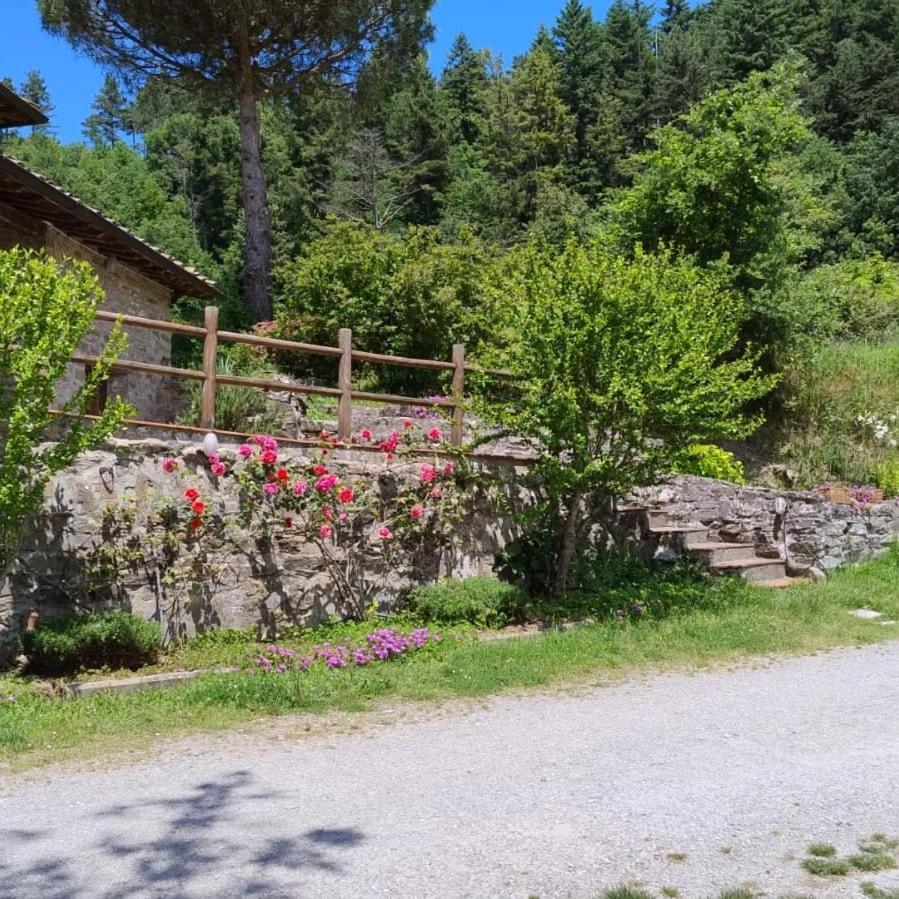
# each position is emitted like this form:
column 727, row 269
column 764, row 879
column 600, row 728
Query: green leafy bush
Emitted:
column 705, row 460
column 69, row 643
column 484, row 601
column 886, row 476
column 46, row 308
column 406, row 294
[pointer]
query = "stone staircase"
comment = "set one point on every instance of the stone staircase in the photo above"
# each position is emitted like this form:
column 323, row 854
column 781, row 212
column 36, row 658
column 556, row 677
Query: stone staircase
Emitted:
column 666, row 539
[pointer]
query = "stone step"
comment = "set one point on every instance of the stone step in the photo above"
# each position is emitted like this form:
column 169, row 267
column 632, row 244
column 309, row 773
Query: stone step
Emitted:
column 780, row 583
column 684, row 535
column 714, row 553
column 753, row 570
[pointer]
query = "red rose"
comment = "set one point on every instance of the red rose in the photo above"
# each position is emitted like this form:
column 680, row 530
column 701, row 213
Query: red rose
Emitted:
column 282, row 474
column 199, row 507
column 196, row 523
column 191, row 493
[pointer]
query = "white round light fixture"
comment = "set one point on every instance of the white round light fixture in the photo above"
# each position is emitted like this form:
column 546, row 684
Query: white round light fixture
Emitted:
column 210, row 444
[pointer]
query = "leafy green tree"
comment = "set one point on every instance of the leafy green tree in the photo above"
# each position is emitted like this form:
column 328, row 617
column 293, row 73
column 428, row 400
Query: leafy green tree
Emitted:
column 715, row 186
column 45, row 310
column 109, row 116
column 117, row 181
column 407, row 294
column 246, row 52
column 619, row 363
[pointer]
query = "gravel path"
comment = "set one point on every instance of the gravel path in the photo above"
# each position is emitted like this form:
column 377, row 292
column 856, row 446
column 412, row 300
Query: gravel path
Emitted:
column 549, row 795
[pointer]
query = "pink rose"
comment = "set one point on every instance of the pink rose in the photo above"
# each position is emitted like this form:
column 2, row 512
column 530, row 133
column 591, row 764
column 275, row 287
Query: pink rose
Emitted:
column 328, row 482
column 416, row 512
column 328, row 512
column 427, row 473
column 269, row 457
column 365, row 434
column 449, row 469
column 385, row 533
column 437, row 492
column 344, row 518
column 434, row 434
column 271, row 488
column 169, row 465
column 213, row 458
column 300, row 488
column 245, row 450
column 270, row 444
column 218, row 469
column 325, row 531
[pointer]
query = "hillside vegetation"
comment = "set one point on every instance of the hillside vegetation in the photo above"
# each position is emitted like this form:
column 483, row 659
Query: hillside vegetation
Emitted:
column 757, row 137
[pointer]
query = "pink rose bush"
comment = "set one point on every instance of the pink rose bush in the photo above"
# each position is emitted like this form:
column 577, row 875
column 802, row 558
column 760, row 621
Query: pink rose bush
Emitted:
column 313, row 499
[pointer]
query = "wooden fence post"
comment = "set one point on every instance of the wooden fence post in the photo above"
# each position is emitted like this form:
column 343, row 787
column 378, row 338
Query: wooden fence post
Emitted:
column 210, row 358
column 458, row 393
column 344, row 384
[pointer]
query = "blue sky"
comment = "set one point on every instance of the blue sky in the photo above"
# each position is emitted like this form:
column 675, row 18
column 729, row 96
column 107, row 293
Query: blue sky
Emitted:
column 505, row 26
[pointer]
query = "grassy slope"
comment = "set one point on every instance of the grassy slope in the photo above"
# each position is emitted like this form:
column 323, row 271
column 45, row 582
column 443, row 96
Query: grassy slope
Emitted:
column 827, row 392
column 742, row 622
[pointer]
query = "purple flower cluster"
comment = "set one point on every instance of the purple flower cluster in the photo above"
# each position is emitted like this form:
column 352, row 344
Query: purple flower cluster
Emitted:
column 864, row 496
column 379, row 646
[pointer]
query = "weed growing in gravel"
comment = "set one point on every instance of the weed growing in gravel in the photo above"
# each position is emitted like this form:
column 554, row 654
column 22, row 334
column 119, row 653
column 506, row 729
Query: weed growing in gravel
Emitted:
column 872, row 891
column 626, row 893
column 822, row 850
column 676, row 856
column 872, row 861
column 738, row 893
column 671, row 892
column 878, row 842
column 826, row 867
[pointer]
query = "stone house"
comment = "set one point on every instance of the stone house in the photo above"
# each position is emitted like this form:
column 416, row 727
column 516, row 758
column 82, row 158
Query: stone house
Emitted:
column 137, row 278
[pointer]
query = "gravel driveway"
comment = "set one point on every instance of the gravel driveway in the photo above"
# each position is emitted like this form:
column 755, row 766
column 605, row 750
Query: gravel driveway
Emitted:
column 700, row 782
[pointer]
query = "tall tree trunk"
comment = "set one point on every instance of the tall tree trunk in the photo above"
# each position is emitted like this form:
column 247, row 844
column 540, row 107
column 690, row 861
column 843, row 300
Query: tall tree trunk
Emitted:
column 567, row 545
column 257, row 270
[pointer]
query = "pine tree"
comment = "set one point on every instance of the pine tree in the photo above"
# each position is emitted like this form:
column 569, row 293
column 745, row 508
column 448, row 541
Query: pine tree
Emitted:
column 34, row 89
column 627, row 48
column 578, row 41
column 244, row 51
column 463, row 85
column 109, row 116
column 676, row 14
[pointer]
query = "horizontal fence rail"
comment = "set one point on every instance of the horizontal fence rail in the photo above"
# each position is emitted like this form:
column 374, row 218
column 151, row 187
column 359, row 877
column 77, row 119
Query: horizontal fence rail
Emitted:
column 344, row 353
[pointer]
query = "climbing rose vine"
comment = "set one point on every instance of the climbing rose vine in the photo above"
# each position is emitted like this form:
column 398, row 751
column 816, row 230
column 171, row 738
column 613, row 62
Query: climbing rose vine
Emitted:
column 359, row 520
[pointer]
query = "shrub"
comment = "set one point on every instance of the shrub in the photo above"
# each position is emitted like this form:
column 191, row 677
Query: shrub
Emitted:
column 706, row 460
column 46, row 308
column 243, row 409
column 408, row 295
column 484, row 601
column 69, row 643
column 886, row 476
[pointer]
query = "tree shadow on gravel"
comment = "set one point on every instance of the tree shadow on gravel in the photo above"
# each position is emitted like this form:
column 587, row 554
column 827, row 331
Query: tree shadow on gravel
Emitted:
column 214, row 840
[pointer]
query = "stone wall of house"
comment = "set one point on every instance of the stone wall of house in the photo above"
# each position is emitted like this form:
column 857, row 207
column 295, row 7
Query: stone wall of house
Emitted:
column 239, row 584
column 814, row 535
column 126, row 291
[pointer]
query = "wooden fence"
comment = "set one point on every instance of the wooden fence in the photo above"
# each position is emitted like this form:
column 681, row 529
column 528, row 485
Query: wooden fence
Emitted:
column 344, row 393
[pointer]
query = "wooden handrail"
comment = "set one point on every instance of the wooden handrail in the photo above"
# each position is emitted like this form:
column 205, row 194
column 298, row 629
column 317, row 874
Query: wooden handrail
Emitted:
column 344, row 352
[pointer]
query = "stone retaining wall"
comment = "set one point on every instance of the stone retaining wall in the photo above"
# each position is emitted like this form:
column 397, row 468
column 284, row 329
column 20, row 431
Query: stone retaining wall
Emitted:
column 815, row 535
column 246, row 579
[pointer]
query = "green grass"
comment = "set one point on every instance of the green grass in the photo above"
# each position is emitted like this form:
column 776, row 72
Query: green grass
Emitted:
column 872, row 891
column 826, row 867
column 872, row 861
column 734, row 623
column 822, row 850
